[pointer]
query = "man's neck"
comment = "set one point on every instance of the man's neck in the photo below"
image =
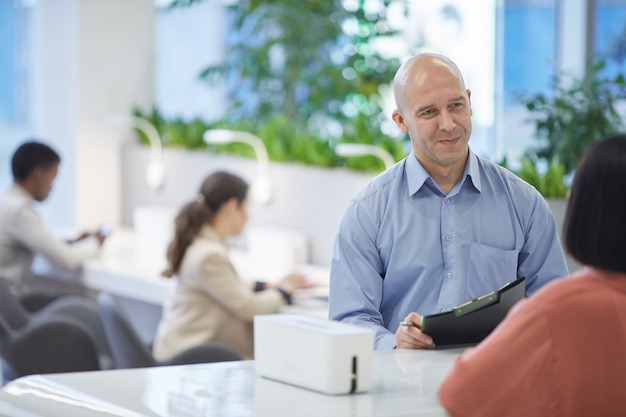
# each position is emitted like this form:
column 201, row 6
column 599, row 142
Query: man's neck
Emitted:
column 26, row 186
column 447, row 181
column 446, row 176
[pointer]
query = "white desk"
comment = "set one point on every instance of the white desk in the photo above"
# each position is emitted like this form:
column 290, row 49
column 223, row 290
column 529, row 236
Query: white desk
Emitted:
column 404, row 384
column 132, row 268
column 129, row 267
column 124, row 268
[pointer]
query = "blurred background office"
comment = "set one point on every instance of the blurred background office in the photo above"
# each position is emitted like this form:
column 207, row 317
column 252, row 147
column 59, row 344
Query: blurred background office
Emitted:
column 68, row 66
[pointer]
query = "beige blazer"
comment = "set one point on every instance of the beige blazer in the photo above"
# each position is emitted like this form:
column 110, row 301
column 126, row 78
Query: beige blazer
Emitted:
column 211, row 303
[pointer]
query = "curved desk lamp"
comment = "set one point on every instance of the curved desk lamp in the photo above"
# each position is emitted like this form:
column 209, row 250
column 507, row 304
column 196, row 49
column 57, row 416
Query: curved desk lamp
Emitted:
column 261, row 188
column 361, row 149
column 155, row 171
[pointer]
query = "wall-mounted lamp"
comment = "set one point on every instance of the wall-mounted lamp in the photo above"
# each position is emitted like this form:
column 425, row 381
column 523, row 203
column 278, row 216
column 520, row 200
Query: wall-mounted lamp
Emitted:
column 155, row 171
column 261, row 187
column 361, row 149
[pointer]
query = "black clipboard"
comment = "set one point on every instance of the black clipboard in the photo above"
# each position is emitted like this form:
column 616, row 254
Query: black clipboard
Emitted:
column 471, row 322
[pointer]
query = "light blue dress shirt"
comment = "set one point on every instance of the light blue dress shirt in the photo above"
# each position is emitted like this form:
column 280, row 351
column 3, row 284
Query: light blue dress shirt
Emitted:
column 404, row 245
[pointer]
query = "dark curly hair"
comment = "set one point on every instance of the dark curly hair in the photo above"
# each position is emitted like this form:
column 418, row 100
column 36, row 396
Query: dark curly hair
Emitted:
column 31, row 155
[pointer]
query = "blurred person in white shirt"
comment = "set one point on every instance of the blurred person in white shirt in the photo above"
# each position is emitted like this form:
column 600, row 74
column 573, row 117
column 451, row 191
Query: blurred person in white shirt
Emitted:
column 23, row 234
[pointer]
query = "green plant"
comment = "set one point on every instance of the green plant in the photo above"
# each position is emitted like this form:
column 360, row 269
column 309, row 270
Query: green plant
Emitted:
column 296, row 57
column 285, row 141
column 579, row 113
column 551, row 184
column 303, row 75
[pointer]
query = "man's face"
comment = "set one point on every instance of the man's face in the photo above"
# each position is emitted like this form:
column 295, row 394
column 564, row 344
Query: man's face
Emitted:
column 436, row 113
column 42, row 180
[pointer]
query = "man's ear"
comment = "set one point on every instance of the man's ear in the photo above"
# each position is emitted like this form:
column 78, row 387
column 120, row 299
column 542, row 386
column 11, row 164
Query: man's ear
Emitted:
column 37, row 172
column 398, row 118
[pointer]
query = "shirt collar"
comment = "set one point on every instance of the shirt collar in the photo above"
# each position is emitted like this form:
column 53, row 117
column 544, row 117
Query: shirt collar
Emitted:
column 208, row 232
column 21, row 192
column 417, row 175
column 472, row 171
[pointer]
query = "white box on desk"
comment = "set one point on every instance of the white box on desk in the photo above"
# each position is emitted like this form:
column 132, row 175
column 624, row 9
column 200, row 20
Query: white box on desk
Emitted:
column 314, row 353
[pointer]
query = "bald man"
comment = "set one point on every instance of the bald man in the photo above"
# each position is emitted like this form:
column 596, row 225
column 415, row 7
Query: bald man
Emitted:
column 440, row 227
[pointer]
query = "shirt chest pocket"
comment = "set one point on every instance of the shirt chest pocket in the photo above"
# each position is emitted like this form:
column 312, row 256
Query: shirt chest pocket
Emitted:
column 488, row 269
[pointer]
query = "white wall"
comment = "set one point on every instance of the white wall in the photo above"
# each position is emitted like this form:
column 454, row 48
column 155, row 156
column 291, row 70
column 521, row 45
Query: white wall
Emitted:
column 92, row 58
column 310, row 200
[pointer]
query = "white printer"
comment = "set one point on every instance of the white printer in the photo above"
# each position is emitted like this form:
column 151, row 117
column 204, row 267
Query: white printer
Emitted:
column 315, row 353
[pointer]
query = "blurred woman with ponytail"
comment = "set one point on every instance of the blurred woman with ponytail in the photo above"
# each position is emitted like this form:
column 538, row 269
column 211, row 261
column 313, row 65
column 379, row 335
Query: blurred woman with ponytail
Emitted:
column 211, row 302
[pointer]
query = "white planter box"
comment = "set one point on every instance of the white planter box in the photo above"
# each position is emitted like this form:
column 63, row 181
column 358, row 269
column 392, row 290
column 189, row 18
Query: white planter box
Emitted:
column 306, row 199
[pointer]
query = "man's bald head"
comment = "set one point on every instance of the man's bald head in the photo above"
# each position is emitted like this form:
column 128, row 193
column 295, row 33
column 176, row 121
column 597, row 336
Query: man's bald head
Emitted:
column 418, row 69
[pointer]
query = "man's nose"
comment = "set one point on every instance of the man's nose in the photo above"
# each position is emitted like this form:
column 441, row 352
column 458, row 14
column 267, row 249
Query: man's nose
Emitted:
column 446, row 122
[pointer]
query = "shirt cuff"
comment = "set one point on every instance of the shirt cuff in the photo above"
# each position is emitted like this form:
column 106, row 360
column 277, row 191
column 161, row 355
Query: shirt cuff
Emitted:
column 386, row 342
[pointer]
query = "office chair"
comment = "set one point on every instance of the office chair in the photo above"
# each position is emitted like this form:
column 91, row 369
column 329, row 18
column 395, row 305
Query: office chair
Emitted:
column 49, row 344
column 130, row 352
column 73, row 308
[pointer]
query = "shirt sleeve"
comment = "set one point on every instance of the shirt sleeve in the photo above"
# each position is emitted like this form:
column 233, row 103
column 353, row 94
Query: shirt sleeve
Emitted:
column 509, row 373
column 356, row 281
column 541, row 259
column 220, row 281
column 31, row 232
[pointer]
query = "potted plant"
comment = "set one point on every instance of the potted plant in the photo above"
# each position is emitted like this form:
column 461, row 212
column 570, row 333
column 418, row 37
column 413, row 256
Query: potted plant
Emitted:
column 303, row 76
column 579, row 113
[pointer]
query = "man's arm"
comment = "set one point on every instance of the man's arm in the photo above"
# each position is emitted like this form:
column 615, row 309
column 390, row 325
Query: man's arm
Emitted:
column 541, row 258
column 29, row 229
column 356, row 276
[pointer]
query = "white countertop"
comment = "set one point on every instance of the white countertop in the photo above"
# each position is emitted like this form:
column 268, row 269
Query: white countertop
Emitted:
column 129, row 266
column 404, row 384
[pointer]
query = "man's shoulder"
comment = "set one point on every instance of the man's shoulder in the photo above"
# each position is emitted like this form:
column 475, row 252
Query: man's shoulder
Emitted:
column 508, row 179
column 14, row 204
column 380, row 187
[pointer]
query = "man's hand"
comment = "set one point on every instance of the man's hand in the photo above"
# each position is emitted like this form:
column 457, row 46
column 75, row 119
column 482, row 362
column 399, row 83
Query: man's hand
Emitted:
column 409, row 334
column 100, row 237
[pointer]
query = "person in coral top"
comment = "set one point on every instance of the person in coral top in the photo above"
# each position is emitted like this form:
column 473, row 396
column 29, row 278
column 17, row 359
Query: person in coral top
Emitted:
column 561, row 352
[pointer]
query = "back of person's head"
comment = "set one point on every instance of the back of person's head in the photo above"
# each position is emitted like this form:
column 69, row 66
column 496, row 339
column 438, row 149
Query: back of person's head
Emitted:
column 30, row 156
column 595, row 221
column 216, row 190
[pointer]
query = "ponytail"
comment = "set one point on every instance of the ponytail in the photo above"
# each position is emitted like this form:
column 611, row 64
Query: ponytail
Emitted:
column 190, row 219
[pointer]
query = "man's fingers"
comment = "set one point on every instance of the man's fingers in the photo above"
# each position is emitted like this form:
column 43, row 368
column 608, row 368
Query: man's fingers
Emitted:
column 411, row 337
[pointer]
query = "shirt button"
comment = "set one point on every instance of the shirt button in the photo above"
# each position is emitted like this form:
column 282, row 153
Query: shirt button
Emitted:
column 447, row 201
column 448, row 237
column 449, row 274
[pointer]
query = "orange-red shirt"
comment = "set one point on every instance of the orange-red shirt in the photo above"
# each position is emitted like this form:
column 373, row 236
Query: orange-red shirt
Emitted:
column 561, row 352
